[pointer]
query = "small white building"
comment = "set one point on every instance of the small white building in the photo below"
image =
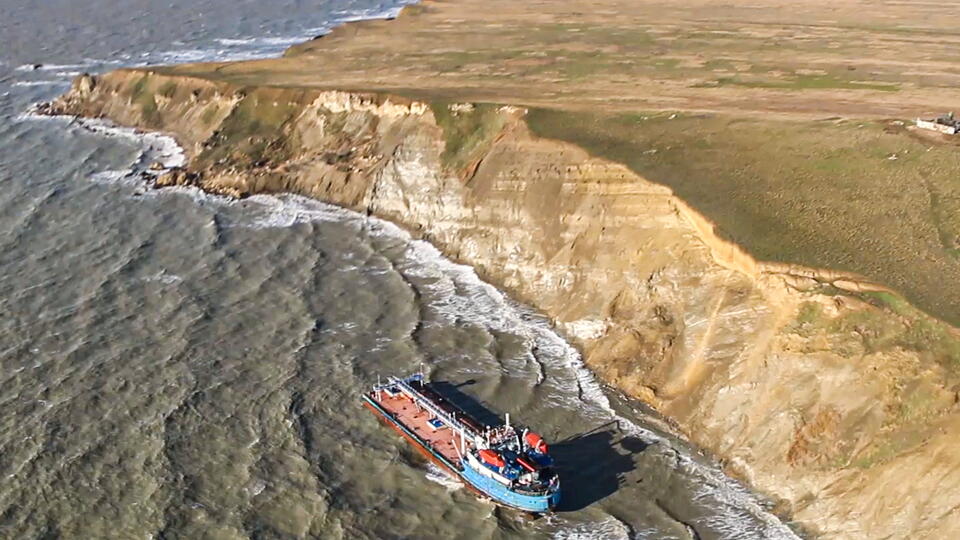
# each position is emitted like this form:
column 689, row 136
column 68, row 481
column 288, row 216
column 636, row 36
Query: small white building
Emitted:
column 944, row 124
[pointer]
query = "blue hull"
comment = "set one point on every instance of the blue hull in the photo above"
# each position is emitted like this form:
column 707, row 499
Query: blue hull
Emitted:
column 539, row 504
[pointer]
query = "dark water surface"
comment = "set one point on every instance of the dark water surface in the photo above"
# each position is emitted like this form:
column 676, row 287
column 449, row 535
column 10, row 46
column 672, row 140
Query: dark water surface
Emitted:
column 176, row 365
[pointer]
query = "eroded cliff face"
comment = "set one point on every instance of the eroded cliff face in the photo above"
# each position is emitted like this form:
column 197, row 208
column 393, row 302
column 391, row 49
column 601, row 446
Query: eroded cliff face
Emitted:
column 808, row 384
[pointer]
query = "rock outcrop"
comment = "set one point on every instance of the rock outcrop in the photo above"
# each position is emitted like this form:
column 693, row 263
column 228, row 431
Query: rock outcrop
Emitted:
column 810, row 385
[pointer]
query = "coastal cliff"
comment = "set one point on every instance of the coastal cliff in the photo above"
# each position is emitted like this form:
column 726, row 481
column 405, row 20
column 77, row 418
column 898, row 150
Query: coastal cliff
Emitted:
column 827, row 392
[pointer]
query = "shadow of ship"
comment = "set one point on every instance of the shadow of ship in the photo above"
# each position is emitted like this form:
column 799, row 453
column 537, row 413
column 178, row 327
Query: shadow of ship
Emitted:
column 592, row 465
column 466, row 403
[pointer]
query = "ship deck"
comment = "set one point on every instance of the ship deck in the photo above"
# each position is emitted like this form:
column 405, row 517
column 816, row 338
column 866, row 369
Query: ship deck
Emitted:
column 443, row 441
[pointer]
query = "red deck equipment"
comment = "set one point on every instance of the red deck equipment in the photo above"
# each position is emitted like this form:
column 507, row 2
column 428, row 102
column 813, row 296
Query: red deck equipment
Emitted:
column 523, row 463
column 536, row 442
column 491, row 457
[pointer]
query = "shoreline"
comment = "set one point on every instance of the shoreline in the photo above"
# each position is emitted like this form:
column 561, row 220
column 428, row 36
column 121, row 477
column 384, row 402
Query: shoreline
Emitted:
column 717, row 466
column 661, row 431
column 685, row 373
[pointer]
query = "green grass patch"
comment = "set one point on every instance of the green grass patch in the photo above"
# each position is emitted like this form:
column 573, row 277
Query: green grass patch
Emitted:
column 921, row 332
column 168, row 89
column 142, row 96
column 894, row 323
column 148, row 107
column 719, row 64
column 810, row 320
column 808, row 82
column 253, row 134
column 210, row 114
column 466, row 132
column 139, row 88
column 453, row 61
column 846, row 195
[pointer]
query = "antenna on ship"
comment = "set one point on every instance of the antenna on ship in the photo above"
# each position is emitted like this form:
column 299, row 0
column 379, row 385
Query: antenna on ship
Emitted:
column 508, row 420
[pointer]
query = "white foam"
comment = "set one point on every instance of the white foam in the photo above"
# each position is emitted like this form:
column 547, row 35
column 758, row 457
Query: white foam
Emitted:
column 95, row 61
column 230, row 42
column 155, row 147
column 188, row 55
column 41, row 83
column 111, row 176
column 166, row 278
column 609, row 528
column 54, row 67
column 469, row 298
column 277, row 41
column 252, row 47
column 281, row 211
column 64, row 67
column 435, row 474
column 353, row 15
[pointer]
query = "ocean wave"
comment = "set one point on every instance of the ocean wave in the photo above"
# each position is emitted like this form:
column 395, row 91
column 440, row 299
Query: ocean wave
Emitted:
column 435, row 474
column 55, row 67
column 353, row 15
column 282, row 211
column 252, row 47
column 233, row 42
column 609, row 528
column 221, row 54
column 29, row 84
column 165, row 278
column 154, row 148
column 280, row 41
column 111, row 176
column 179, row 56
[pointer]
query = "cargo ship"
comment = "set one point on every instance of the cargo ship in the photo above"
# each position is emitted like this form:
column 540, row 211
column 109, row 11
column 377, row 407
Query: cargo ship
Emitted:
column 509, row 465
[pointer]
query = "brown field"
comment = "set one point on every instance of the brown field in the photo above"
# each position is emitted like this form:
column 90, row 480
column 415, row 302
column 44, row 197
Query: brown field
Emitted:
column 782, row 121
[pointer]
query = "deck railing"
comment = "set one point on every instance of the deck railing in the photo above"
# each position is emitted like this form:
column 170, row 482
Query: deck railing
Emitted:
column 450, row 420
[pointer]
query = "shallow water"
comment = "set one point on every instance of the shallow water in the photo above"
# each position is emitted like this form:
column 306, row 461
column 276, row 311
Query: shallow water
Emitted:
column 177, row 365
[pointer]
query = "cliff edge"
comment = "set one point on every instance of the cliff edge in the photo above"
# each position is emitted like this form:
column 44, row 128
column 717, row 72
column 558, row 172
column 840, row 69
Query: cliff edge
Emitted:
column 821, row 388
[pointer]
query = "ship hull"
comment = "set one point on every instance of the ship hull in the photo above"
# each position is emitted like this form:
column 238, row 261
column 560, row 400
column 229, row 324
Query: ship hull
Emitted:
column 535, row 504
column 484, row 486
